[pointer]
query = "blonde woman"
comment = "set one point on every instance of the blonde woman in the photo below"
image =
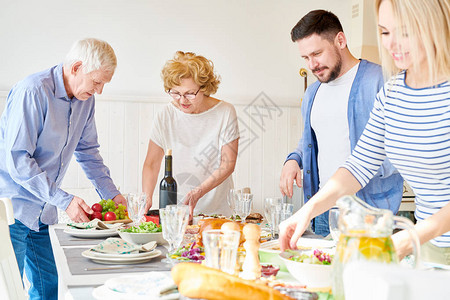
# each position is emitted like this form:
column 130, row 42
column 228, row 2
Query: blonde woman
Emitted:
column 202, row 132
column 409, row 124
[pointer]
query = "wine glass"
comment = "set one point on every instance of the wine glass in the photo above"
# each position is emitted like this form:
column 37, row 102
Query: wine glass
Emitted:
column 333, row 223
column 231, row 199
column 174, row 219
column 243, row 205
column 136, row 206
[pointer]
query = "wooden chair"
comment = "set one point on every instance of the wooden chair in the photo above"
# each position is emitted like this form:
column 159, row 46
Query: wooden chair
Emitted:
column 11, row 287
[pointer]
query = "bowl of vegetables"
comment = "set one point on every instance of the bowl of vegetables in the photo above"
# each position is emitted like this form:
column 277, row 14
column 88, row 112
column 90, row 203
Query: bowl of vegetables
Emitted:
column 143, row 233
column 191, row 252
column 310, row 267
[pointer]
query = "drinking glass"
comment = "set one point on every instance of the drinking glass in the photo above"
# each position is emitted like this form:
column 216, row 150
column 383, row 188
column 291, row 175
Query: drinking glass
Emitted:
column 333, row 222
column 278, row 213
column 136, row 206
column 240, row 203
column 221, row 249
column 174, row 219
column 268, row 202
column 231, row 199
column 243, row 205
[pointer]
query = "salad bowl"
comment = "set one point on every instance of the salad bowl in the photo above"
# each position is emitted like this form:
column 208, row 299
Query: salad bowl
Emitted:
column 307, row 268
column 142, row 238
column 142, row 234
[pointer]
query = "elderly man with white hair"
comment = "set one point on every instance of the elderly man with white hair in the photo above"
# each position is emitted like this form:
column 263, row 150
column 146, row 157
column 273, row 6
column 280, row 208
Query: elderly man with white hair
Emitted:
column 49, row 116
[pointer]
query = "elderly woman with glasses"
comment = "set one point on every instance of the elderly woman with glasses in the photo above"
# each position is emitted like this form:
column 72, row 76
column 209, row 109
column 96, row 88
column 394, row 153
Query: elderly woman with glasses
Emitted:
column 202, row 132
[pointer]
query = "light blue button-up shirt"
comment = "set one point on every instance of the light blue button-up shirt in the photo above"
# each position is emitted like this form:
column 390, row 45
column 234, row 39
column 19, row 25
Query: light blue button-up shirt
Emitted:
column 40, row 130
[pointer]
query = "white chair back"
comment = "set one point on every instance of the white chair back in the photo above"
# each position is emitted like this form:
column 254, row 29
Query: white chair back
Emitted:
column 11, row 287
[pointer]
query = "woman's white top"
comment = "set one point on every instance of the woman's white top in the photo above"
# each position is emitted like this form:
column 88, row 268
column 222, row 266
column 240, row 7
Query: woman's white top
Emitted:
column 412, row 128
column 196, row 141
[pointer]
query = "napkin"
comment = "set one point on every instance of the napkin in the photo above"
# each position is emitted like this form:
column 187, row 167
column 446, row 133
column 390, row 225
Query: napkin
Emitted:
column 120, row 246
column 150, row 284
column 94, row 224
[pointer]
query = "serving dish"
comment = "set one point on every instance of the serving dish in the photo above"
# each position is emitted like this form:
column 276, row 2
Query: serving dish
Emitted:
column 311, row 275
column 142, row 238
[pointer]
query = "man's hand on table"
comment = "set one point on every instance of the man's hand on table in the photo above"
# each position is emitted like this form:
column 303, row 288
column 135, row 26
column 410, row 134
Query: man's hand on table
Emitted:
column 119, row 199
column 78, row 210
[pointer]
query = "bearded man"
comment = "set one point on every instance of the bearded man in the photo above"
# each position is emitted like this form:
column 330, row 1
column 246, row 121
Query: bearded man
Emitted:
column 335, row 110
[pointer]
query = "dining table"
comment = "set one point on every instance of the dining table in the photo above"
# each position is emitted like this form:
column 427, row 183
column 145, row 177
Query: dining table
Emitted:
column 78, row 276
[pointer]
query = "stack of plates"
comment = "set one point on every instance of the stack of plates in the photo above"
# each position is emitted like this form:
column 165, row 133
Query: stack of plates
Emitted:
column 132, row 258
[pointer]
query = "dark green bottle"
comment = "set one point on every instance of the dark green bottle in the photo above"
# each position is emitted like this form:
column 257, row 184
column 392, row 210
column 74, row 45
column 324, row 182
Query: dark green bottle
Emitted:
column 168, row 185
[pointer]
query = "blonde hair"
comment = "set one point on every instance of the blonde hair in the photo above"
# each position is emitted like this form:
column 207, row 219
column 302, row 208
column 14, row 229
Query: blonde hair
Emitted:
column 426, row 22
column 93, row 54
column 189, row 65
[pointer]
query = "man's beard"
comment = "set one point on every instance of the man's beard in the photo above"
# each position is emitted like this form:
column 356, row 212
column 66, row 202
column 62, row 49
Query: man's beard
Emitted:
column 334, row 71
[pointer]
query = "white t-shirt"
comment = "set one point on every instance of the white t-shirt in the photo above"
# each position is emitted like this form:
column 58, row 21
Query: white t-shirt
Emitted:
column 196, row 141
column 329, row 120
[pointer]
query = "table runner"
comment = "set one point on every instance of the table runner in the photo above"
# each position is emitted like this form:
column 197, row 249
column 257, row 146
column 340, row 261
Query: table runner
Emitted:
column 78, row 264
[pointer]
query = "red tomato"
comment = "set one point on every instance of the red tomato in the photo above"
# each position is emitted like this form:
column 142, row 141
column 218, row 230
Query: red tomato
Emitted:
column 96, row 215
column 110, row 216
column 154, row 219
column 97, row 207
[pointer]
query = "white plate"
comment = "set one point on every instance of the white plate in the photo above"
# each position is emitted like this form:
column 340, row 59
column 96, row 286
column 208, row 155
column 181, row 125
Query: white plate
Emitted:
column 122, row 256
column 145, row 286
column 103, row 292
column 91, row 233
column 124, row 259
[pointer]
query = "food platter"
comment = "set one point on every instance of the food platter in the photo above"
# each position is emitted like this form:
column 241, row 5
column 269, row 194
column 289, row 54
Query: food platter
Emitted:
column 121, row 258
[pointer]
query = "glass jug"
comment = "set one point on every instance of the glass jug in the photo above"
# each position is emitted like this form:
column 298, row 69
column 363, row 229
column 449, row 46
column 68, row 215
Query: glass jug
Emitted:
column 366, row 236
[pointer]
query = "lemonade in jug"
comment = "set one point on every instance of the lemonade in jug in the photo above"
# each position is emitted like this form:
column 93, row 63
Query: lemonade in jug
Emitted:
column 366, row 236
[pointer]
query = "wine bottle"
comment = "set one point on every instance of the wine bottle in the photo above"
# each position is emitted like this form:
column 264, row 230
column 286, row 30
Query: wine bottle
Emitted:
column 168, row 185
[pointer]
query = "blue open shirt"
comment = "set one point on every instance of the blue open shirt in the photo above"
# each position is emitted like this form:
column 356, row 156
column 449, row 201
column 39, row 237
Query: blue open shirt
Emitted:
column 385, row 189
column 40, row 130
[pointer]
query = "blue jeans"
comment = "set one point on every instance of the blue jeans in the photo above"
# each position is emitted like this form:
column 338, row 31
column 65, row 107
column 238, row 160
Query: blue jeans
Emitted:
column 321, row 226
column 34, row 253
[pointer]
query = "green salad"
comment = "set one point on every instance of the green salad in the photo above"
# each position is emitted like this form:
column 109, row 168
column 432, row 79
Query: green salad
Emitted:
column 318, row 257
column 145, row 227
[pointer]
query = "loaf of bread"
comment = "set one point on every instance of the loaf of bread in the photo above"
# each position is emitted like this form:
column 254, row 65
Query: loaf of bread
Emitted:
column 198, row 281
column 209, row 224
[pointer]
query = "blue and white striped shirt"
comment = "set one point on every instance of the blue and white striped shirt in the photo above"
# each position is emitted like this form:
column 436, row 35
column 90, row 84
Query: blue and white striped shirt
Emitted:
column 412, row 128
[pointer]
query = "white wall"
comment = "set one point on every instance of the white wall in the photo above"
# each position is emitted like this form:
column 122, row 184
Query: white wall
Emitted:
column 249, row 42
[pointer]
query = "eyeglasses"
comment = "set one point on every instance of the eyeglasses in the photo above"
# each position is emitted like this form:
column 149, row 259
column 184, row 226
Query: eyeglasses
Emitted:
column 187, row 96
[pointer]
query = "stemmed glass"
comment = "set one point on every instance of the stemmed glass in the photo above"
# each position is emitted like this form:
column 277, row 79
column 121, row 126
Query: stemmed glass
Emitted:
column 136, row 206
column 333, row 222
column 243, row 205
column 174, row 219
column 231, row 199
column 240, row 203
